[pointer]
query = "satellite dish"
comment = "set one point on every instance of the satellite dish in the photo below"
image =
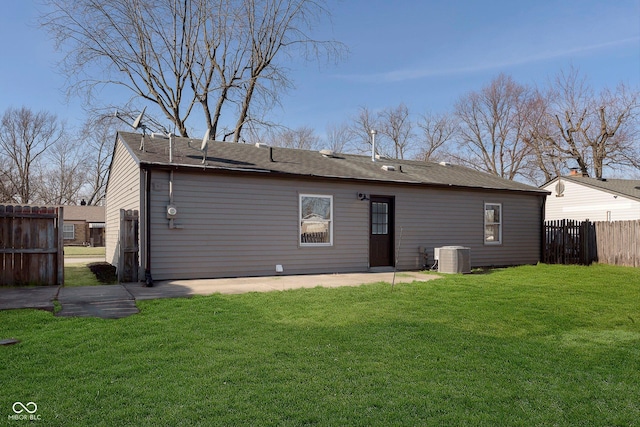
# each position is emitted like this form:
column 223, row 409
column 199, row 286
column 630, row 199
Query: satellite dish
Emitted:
column 136, row 122
column 205, row 139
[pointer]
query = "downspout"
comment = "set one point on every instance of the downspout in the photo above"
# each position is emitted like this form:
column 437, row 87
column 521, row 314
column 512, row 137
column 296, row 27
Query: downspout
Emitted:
column 148, row 280
column 171, row 222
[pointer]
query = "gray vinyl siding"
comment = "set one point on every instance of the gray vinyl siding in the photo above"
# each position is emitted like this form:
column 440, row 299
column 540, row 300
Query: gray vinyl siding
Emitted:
column 123, row 192
column 240, row 226
column 433, row 218
column 245, row 226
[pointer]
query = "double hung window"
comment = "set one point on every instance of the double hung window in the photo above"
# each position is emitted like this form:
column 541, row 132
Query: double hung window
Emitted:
column 316, row 220
column 492, row 223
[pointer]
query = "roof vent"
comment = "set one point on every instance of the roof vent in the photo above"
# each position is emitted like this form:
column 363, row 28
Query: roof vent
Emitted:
column 328, row 153
column 261, row 145
column 159, row 135
column 444, row 164
column 389, row 168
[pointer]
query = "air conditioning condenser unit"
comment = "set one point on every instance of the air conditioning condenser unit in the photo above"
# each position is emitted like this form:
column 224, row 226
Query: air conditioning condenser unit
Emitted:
column 454, row 259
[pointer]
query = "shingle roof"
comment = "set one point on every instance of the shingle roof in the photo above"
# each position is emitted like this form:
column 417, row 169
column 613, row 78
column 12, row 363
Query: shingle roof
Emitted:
column 239, row 157
column 623, row 187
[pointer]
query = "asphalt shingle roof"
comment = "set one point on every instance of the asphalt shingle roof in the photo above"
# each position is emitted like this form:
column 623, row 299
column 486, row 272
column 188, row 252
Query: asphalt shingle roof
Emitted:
column 249, row 158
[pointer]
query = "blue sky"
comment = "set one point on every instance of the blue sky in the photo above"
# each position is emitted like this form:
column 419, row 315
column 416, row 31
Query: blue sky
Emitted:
column 425, row 54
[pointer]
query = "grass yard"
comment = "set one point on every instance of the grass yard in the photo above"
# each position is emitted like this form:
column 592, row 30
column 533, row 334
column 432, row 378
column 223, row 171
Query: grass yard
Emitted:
column 79, row 275
column 526, row 346
column 90, row 274
column 83, row 251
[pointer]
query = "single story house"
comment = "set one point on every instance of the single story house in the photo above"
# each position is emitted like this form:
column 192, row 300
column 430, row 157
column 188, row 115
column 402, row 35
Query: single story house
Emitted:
column 234, row 209
column 83, row 225
column 580, row 198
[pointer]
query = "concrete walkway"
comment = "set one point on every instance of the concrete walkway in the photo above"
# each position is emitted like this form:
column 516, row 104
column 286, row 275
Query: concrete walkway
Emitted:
column 117, row 301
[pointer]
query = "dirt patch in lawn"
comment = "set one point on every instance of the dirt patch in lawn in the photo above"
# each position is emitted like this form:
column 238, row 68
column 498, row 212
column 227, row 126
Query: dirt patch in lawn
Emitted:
column 104, row 272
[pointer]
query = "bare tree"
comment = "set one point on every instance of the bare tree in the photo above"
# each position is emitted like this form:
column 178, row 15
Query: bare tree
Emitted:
column 25, row 137
column 610, row 131
column 437, row 131
column 339, row 138
column 303, row 138
column 558, row 131
column 361, row 126
column 98, row 138
column 492, row 126
column 396, row 125
column 594, row 130
column 62, row 174
column 224, row 55
column 7, row 189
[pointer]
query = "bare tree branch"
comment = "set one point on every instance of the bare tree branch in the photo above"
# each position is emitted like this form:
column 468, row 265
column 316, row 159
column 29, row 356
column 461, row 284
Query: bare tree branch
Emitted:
column 224, row 55
column 437, row 131
column 492, row 128
column 25, row 137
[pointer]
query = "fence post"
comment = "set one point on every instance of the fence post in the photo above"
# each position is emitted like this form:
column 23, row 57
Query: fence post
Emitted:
column 60, row 245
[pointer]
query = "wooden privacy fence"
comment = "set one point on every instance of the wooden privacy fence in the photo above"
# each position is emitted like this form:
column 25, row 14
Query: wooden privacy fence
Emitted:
column 618, row 242
column 31, row 246
column 128, row 263
column 575, row 242
column 569, row 242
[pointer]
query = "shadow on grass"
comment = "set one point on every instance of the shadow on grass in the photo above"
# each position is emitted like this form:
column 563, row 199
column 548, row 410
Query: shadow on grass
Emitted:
column 104, row 272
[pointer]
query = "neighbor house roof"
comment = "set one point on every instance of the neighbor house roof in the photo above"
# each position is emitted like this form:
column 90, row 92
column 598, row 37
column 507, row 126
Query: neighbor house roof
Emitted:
column 624, row 187
column 83, row 213
column 239, row 157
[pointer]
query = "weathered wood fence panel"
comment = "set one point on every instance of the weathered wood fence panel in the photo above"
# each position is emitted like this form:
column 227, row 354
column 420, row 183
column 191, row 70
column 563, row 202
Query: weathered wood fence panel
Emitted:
column 569, row 242
column 618, row 242
column 128, row 264
column 31, row 246
column 574, row 242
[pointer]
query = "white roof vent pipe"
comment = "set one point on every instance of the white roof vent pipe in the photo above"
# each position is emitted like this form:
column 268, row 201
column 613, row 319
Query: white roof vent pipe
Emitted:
column 170, row 148
column 373, row 144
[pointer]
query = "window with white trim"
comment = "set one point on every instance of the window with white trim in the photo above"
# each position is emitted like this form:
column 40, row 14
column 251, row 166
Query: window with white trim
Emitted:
column 493, row 223
column 316, row 220
column 68, row 231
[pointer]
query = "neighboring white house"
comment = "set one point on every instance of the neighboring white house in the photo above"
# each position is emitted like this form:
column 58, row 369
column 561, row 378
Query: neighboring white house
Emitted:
column 580, row 198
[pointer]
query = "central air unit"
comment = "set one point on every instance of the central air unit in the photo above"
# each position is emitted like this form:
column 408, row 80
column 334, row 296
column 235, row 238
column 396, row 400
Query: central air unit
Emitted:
column 454, row 259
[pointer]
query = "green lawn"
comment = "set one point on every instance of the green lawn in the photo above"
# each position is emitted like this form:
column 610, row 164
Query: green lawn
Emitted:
column 79, row 275
column 527, row 346
column 83, row 251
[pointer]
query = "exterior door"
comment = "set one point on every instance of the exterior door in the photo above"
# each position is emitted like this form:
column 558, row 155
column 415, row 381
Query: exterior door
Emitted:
column 381, row 232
